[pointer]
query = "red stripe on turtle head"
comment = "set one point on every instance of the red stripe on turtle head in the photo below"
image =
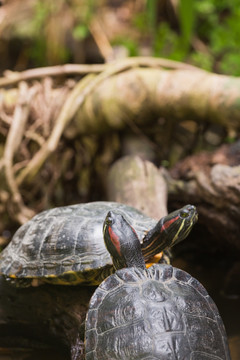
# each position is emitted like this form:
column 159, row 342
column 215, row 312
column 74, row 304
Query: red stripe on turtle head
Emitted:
column 133, row 230
column 115, row 240
column 168, row 223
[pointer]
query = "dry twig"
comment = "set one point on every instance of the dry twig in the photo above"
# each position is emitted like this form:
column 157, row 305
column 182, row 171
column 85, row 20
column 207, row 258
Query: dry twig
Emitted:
column 14, row 139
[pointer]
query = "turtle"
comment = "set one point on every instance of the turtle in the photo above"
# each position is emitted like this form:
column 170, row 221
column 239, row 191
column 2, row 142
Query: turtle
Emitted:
column 65, row 246
column 157, row 313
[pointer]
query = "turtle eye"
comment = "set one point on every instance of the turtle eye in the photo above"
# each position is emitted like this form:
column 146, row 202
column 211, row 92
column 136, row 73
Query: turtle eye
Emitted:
column 109, row 219
column 184, row 214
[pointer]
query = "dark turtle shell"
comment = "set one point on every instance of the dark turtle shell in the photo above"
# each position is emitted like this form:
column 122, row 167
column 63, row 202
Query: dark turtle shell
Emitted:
column 65, row 245
column 158, row 313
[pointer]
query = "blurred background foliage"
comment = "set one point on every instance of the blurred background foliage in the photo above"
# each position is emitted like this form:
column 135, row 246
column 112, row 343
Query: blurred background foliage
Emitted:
column 36, row 33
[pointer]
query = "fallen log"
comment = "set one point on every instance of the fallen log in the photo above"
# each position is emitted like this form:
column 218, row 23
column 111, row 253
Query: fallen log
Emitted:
column 53, row 315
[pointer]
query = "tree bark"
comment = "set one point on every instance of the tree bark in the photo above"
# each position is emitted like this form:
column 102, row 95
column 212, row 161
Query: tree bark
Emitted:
column 212, row 183
column 144, row 94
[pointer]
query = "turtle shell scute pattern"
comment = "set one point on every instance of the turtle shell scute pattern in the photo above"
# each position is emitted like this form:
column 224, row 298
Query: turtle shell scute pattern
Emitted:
column 66, row 239
column 159, row 313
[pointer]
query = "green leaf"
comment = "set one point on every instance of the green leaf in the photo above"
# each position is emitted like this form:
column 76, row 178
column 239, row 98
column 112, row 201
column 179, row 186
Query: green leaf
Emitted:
column 80, row 32
column 152, row 14
column 187, row 19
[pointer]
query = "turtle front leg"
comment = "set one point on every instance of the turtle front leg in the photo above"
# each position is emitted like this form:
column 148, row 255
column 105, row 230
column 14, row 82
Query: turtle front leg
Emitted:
column 164, row 257
column 78, row 349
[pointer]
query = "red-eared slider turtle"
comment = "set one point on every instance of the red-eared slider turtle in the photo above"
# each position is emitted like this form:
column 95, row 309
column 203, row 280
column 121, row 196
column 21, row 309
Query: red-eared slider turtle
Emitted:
column 156, row 313
column 65, row 245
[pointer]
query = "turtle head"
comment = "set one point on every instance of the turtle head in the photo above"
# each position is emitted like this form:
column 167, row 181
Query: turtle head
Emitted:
column 122, row 242
column 178, row 224
column 169, row 231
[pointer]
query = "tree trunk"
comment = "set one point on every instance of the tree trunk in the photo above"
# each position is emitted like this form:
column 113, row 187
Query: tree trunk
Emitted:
column 138, row 183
